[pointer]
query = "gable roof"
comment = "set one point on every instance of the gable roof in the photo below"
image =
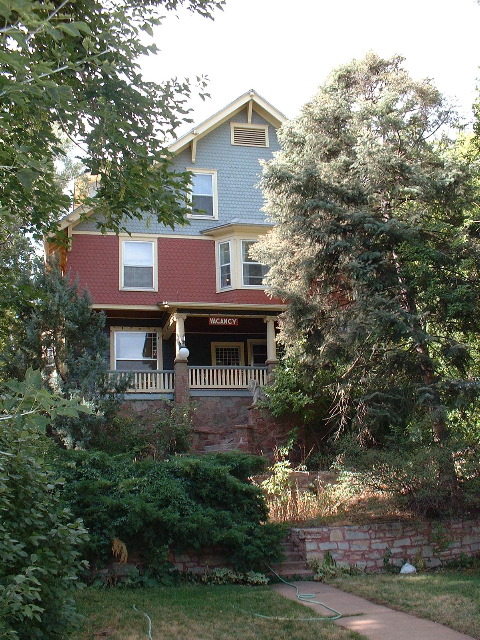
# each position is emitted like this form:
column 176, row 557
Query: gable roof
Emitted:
column 249, row 99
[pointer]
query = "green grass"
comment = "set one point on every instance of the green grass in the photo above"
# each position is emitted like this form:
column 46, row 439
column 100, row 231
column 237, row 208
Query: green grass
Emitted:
column 448, row 597
column 194, row 612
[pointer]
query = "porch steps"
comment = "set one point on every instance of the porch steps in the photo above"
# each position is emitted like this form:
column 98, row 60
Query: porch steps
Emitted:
column 294, row 565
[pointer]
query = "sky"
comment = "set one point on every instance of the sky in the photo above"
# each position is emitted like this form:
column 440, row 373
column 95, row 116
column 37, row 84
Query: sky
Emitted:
column 285, row 50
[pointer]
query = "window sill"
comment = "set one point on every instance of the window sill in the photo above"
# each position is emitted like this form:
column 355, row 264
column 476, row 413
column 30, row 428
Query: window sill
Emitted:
column 138, row 289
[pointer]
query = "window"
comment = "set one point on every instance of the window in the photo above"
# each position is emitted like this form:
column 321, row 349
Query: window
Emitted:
column 135, row 350
column 249, row 135
column 252, row 272
column 257, row 352
column 227, row 354
column 224, row 265
column 204, row 196
column 138, row 259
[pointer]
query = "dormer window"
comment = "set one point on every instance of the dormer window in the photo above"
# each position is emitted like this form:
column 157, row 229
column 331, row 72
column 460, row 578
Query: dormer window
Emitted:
column 204, row 193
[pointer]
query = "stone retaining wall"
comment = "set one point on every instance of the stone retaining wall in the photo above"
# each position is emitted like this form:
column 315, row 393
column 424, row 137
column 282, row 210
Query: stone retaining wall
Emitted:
column 366, row 546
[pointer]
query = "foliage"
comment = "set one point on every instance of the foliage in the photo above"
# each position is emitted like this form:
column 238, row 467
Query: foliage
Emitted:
column 327, row 568
column 376, row 251
column 56, row 331
column 228, row 576
column 39, row 539
column 73, row 67
column 414, row 474
column 179, row 503
column 157, row 434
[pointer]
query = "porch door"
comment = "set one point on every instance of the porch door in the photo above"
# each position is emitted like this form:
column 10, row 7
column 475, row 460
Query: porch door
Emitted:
column 227, row 354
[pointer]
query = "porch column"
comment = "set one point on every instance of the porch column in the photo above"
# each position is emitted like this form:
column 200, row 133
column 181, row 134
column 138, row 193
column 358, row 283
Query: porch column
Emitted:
column 271, row 346
column 179, row 331
column 181, row 382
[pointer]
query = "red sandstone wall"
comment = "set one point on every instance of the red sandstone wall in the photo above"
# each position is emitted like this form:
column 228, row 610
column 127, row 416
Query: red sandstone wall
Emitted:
column 366, row 545
column 186, row 273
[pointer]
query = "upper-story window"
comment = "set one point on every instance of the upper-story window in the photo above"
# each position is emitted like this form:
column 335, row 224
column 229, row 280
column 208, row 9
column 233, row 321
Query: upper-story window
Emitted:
column 138, row 259
column 224, row 264
column 252, row 272
column 236, row 269
column 204, row 193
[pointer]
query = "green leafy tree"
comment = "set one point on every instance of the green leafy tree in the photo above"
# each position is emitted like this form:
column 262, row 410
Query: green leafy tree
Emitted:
column 57, row 332
column 73, row 67
column 39, row 538
column 377, row 252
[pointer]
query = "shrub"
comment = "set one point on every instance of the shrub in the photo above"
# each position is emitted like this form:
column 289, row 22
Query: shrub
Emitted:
column 39, row 538
column 179, row 503
column 157, row 434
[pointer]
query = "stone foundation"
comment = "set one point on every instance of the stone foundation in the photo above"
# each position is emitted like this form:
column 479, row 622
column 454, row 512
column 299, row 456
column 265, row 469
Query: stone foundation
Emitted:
column 366, row 546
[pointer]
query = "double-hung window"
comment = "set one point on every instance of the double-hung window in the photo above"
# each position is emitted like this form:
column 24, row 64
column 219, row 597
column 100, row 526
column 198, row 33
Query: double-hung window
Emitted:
column 138, row 262
column 225, row 266
column 135, row 350
column 252, row 272
column 204, row 194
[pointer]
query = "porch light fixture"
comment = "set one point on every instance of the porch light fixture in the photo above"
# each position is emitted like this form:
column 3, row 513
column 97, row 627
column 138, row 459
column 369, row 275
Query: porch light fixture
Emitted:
column 183, row 352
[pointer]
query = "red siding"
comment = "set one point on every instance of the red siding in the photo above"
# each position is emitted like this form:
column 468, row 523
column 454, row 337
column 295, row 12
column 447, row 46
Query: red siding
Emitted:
column 186, row 273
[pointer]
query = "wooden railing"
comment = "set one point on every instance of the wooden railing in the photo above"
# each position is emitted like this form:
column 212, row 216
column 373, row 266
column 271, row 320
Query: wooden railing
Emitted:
column 226, row 377
column 146, row 381
column 199, row 378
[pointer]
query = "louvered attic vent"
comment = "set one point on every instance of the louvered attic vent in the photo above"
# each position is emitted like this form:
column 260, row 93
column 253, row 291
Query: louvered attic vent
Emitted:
column 250, row 135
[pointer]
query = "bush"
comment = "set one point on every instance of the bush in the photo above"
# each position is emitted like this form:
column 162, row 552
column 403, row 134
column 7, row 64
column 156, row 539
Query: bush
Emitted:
column 176, row 504
column 433, row 481
column 158, row 434
column 39, row 539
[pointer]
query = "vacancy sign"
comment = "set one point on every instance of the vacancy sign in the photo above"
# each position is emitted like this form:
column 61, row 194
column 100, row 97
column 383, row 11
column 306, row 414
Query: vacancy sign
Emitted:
column 223, row 322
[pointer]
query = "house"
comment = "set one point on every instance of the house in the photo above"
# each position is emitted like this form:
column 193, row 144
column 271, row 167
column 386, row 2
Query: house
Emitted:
column 186, row 308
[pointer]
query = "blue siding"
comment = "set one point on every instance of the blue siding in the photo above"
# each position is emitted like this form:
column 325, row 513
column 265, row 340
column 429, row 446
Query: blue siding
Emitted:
column 238, row 174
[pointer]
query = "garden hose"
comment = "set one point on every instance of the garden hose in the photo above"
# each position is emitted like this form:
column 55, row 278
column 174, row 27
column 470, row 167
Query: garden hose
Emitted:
column 304, row 597
column 149, row 621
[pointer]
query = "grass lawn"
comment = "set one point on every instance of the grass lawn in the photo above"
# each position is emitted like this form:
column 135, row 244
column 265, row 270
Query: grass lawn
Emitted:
column 449, row 597
column 194, row 612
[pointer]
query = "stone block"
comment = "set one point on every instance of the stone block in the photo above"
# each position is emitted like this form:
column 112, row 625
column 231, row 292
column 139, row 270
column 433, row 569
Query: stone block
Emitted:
column 327, row 546
column 356, row 535
column 403, row 542
column 336, row 535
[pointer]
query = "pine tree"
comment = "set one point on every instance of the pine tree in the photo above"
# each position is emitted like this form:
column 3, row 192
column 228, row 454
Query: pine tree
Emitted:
column 375, row 250
column 56, row 331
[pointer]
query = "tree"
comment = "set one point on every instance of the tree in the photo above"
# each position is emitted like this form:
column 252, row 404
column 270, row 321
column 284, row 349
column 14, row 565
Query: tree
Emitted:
column 39, row 538
column 73, row 67
column 376, row 250
column 57, row 332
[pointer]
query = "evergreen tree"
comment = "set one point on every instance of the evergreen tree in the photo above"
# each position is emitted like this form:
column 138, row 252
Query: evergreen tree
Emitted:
column 376, row 252
column 56, row 331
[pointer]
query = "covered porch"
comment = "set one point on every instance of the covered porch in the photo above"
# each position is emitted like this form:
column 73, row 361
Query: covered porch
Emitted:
column 199, row 353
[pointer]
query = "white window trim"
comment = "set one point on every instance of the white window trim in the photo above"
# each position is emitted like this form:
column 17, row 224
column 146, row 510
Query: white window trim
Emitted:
column 213, row 173
column 218, row 265
column 250, row 343
column 240, row 346
column 114, row 330
column 245, row 125
column 154, row 243
column 236, row 263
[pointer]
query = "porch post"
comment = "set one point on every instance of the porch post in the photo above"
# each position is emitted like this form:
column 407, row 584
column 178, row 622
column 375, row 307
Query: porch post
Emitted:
column 181, row 382
column 271, row 346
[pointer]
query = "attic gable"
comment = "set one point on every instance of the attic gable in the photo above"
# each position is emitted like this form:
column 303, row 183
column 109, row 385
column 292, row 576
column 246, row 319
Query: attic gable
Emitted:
column 251, row 101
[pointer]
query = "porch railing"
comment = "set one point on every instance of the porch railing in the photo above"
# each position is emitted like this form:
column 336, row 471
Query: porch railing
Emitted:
column 226, row 377
column 146, row 381
column 199, row 378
